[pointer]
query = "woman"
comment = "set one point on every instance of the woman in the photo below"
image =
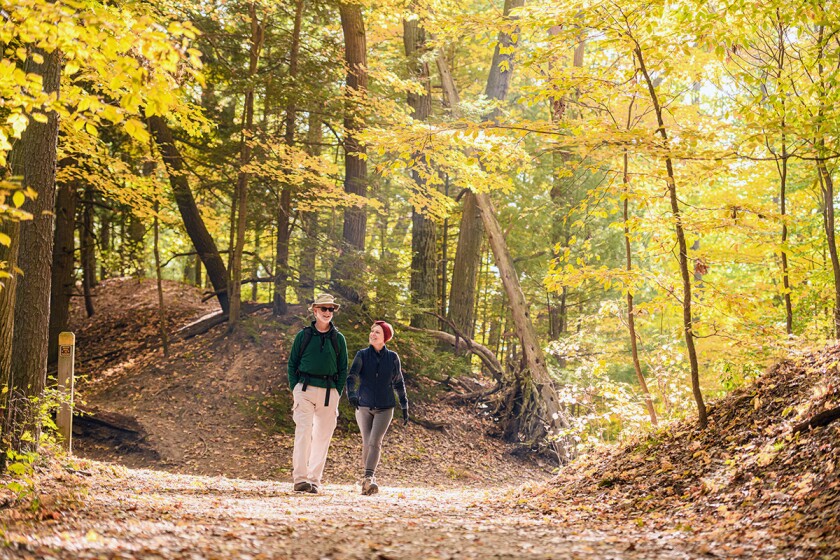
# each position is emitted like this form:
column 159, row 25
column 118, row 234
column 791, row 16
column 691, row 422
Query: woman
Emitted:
column 373, row 378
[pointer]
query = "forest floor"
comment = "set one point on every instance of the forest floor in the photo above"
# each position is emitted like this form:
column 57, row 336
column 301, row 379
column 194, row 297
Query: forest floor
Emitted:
column 206, row 472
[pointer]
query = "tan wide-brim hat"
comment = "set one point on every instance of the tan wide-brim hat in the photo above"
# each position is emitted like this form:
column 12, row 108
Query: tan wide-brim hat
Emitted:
column 324, row 299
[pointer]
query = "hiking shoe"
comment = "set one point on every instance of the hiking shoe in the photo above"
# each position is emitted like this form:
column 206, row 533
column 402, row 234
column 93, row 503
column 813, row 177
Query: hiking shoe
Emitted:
column 369, row 486
column 302, row 487
column 314, row 489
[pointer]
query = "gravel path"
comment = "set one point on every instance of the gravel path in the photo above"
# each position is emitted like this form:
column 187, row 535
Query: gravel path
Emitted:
column 147, row 514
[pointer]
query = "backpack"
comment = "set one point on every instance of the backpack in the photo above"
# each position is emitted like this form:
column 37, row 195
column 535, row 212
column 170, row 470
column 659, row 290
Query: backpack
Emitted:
column 308, row 333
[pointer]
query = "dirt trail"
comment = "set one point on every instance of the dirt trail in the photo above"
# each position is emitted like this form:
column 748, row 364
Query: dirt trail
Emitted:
column 153, row 515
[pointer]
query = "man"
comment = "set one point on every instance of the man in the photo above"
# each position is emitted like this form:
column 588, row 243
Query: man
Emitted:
column 317, row 374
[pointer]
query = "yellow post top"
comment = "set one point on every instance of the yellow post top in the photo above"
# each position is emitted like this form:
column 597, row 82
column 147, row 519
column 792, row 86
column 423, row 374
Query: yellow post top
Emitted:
column 66, row 339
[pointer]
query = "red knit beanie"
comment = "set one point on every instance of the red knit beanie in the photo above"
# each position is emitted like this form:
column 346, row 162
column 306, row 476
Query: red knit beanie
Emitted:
column 387, row 329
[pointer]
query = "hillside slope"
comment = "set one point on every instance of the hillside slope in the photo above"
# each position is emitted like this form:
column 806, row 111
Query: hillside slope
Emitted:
column 750, row 482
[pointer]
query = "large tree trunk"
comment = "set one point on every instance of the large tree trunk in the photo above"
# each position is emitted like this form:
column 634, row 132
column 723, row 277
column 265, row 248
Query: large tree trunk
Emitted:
column 284, row 218
column 8, row 290
column 827, row 184
column 688, row 322
column 235, row 288
column 35, row 160
column 309, row 222
column 193, row 223
column 465, row 267
column 346, row 273
column 423, row 280
column 63, row 278
column 468, row 251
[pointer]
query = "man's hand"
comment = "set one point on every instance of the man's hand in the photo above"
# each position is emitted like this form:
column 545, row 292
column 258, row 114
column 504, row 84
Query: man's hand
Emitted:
column 354, row 401
column 405, row 417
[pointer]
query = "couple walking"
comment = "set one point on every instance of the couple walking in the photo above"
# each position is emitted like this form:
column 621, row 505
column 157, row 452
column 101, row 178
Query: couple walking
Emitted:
column 317, row 376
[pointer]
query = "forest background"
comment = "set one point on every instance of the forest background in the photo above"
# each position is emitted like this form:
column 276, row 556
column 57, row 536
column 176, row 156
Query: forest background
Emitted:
column 623, row 208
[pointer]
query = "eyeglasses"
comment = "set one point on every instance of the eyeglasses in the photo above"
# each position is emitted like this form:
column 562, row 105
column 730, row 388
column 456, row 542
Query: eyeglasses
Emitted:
column 327, row 309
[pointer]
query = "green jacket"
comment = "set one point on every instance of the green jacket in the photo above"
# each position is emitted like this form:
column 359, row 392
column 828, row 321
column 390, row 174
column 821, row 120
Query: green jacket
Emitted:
column 319, row 359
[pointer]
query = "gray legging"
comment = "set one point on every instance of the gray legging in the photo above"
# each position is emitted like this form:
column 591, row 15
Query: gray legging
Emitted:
column 373, row 423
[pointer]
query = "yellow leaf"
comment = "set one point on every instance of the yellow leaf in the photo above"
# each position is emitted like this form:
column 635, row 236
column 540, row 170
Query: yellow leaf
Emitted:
column 136, row 130
column 5, row 240
column 18, row 199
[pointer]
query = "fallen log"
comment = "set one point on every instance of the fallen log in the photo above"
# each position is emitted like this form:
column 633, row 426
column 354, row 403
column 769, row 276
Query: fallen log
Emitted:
column 86, row 415
column 824, row 418
column 207, row 322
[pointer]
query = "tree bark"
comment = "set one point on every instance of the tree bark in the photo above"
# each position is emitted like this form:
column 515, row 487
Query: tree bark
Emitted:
column 423, row 280
column 8, row 290
column 284, row 217
column 468, row 251
column 235, row 287
column 346, row 273
column 309, row 222
column 827, row 184
column 35, row 161
column 88, row 250
column 465, row 267
column 164, row 336
column 688, row 322
column 631, row 315
column 63, row 278
column 783, row 172
column 193, row 223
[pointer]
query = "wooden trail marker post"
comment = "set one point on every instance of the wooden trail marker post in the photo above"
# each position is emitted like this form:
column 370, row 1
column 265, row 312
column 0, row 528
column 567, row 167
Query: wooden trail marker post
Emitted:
column 66, row 358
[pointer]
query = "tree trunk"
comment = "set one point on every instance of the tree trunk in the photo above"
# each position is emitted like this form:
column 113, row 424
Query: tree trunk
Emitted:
column 164, row 336
column 235, row 288
column 193, row 223
column 88, row 250
column 465, row 267
column 346, row 273
column 444, row 258
column 284, row 217
column 136, row 237
column 63, row 282
column 468, row 252
column 631, row 316
column 688, row 323
column 35, row 161
column 423, row 280
column 309, row 222
column 561, row 193
column 827, row 185
column 197, row 271
column 8, row 255
column 783, row 171
column 533, row 354
column 105, row 238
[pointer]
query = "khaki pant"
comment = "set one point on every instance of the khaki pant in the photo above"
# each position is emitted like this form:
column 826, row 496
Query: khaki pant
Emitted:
column 314, row 426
